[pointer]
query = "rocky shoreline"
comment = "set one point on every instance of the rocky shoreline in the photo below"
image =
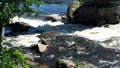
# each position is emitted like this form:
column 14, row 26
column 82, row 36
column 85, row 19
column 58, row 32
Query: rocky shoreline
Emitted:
column 98, row 46
column 43, row 42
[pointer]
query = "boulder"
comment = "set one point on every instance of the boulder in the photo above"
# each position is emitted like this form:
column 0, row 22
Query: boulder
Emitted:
column 97, row 12
column 102, row 2
column 42, row 48
column 48, row 34
column 64, row 17
column 39, row 48
column 72, row 8
column 19, row 27
column 53, row 17
column 65, row 63
column 61, row 49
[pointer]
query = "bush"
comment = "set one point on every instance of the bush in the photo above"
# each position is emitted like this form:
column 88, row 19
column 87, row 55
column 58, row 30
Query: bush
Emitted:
column 81, row 1
column 12, row 58
column 78, row 65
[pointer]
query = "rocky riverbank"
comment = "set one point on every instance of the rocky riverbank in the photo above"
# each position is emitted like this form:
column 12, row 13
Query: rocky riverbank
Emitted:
column 99, row 46
column 45, row 41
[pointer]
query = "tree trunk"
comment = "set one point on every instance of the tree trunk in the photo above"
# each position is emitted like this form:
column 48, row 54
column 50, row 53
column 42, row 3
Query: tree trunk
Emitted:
column 1, row 33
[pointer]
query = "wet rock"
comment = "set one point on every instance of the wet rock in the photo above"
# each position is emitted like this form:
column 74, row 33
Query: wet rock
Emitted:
column 43, row 41
column 82, row 50
column 42, row 48
column 53, row 17
column 52, row 56
column 88, row 65
column 29, row 57
column 103, row 2
column 33, row 64
column 98, row 12
column 44, row 65
column 72, row 45
column 19, row 27
column 71, row 9
column 35, row 48
column 64, row 17
column 48, row 34
column 65, row 63
column 61, row 49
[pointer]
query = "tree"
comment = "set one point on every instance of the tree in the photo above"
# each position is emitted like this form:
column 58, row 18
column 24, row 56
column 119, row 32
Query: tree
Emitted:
column 8, row 10
column 12, row 8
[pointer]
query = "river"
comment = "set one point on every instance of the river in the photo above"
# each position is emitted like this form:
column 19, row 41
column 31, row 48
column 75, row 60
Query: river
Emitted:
column 102, row 35
column 58, row 1
column 53, row 7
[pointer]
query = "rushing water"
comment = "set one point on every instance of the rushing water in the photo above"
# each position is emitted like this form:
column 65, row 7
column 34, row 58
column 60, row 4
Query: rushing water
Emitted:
column 107, row 56
column 47, row 9
column 59, row 1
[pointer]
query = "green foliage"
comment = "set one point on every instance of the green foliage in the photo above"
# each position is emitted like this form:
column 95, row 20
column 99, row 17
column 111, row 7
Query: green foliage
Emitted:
column 12, row 58
column 78, row 65
column 81, row 1
column 11, row 8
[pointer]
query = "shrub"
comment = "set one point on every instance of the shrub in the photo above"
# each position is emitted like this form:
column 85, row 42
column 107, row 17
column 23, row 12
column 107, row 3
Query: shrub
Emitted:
column 78, row 65
column 12, row 58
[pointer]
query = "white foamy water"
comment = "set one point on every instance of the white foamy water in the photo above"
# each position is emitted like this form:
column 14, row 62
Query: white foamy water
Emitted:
column 36, row 22
column 97, row 34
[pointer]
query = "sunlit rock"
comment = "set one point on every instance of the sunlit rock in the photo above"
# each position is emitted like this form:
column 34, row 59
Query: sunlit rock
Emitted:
column 53, row 17
column 65, row 63
column 42, row 48
column 19, row 27
column 71, row 9
column 48, row 34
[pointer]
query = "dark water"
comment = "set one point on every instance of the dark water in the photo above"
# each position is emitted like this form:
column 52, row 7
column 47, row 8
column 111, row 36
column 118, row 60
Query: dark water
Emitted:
column 51, row 8
column 59, row 1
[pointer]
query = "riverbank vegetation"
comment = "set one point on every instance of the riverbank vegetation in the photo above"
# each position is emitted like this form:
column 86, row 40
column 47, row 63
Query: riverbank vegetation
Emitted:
column 11, row 58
